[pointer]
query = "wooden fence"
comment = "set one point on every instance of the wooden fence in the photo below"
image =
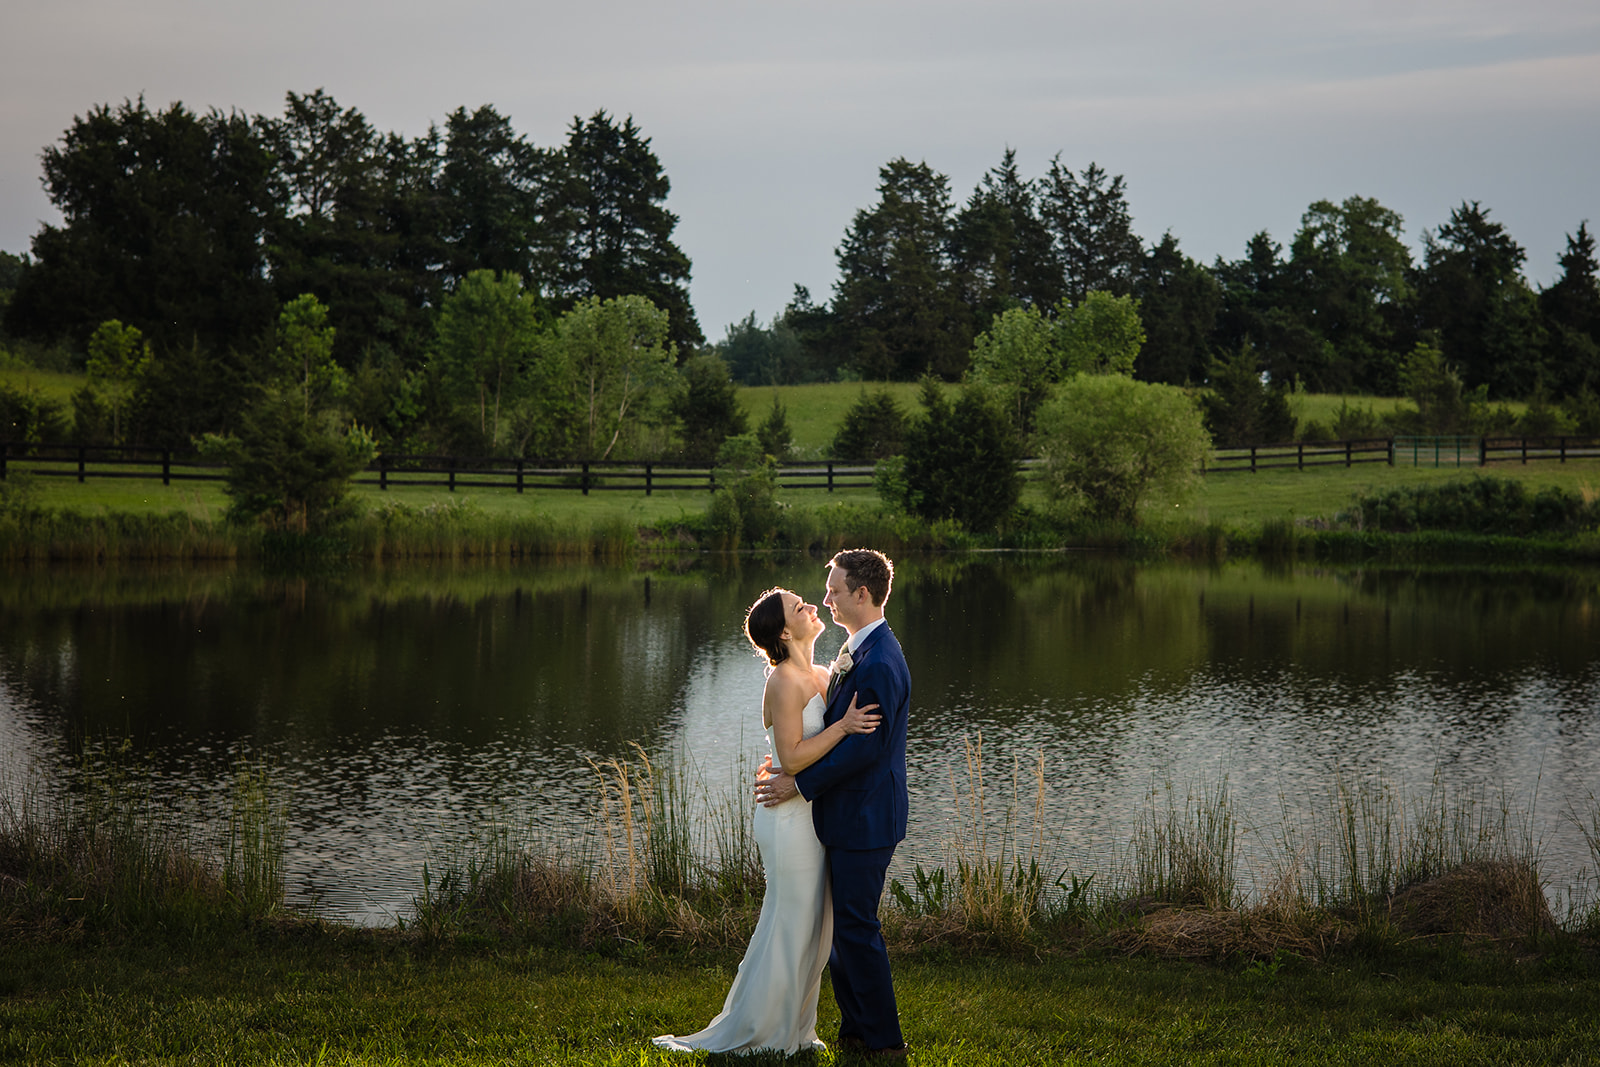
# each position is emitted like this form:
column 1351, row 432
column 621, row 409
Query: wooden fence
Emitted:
column 458, row 472
column 1300, row 455
column 453, row 472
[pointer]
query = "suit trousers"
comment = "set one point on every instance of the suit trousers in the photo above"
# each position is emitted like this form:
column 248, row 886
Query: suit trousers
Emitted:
column 859, row 963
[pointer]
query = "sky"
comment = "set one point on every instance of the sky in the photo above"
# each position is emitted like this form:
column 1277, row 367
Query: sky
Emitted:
column 771, row 119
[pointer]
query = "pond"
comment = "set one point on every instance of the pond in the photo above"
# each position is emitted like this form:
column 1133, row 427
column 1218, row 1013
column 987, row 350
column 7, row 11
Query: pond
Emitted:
column 397, row 705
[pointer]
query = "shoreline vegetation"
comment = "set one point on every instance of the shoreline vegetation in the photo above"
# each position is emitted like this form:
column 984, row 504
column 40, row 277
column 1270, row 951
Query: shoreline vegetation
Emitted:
column 1533, row 512
column 1379, row 900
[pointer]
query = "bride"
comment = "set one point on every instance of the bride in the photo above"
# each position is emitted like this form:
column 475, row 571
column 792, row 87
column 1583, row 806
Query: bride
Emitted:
column 773, row 1001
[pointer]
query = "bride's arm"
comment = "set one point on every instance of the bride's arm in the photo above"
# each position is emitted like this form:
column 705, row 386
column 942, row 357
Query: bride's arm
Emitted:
column 785, row 706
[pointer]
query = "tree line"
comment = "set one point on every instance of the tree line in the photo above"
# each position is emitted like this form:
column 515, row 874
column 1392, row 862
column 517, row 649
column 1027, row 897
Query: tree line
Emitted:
column 438, row 262
column 1340, row 310
column 481, row 294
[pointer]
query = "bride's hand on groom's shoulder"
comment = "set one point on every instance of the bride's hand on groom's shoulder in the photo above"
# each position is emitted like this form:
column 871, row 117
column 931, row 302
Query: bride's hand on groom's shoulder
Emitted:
column 859, row 720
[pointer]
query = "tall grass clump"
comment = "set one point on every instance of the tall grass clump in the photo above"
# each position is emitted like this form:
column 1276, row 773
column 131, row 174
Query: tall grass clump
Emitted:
column 503, row 879
column 668, row 858
column 1187, row 857
column 998, row 855
column 462, row 530
column 29, row 532
column 1587, row 821
column 105, row 851
column 1436, row 863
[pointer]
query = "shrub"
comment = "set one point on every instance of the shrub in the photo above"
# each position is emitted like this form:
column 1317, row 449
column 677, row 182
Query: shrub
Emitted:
column 777, row 440
column 873, row 428
column 1109, row 442
column 1241, row 409
column 961, row 459
column 745, row 510
column 1481, row 504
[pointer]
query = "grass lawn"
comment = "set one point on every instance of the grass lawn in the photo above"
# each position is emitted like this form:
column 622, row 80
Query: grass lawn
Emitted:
column 1242, row 499
column 353, row 998
column 815, row 411
column 52, row 385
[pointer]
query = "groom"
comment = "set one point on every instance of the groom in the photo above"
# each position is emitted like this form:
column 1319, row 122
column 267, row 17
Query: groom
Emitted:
column 858, row 795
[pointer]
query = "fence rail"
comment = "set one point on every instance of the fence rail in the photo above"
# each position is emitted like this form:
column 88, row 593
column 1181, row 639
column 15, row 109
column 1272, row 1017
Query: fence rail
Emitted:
column 1301, row 454
column 464, row 472
column 1526, row 449
column 453, row 472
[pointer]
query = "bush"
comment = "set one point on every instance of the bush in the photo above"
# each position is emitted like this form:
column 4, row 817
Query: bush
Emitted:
column 707, row 408
column 961, row 460
column 1241, row 409
column 1481, row 504
column 745, row 510
column 286, row 469
column 873, row 429
column 777, row 440
column 1109, row 442
column 29, row 417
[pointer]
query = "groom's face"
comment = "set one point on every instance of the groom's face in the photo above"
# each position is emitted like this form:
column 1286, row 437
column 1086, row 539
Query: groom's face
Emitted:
column 845, row 605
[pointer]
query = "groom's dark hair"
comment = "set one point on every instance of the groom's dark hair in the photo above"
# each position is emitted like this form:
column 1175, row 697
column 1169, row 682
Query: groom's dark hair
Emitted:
column 866, row 567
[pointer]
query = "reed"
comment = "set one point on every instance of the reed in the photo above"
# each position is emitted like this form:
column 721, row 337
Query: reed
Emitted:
column 1187, row 857
column 105, row 851
column 999, row 856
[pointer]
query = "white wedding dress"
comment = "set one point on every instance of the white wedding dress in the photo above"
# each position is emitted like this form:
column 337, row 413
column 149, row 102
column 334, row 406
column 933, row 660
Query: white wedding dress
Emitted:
column 773, row 1001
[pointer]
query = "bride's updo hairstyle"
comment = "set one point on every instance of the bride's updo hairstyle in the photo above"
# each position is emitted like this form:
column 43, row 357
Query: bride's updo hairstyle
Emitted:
column 764, row 623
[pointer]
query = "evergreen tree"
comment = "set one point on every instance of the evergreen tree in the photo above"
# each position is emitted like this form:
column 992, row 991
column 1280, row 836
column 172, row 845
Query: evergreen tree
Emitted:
column 707, row 408
column 897, row 302
column 613, row 234
column 961, row 459
column 764, row 355
column 164, row 216
column 1000, row 248
column 1179, row 300
column 364, row 226
column 495, row 185
column 1262, row 309
column 1088, row 219
column 1241, row 409
column 1571, row 312
column 777, row 440
column 873, row 428
column 1471, row 291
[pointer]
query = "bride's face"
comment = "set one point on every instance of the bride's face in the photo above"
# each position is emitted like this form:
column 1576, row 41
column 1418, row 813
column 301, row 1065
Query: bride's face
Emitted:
column 801, row 619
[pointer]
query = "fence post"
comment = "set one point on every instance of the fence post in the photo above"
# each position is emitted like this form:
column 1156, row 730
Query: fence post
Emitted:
column 1300, row 452
column 1563, row 449
column 82, row 453
column 1391, row 451
column 585, row 477
column 830, row 475
column 1349, row 454
column 520, row 461
column 452, row 469
column 166, row 466
column 383, row 471
column 1483, row 451
column 1524, row 450
column 649, row 470
column 1252, row 459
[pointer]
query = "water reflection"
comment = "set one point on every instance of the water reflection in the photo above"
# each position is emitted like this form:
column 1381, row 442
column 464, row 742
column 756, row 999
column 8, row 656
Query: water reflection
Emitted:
column 402, row 704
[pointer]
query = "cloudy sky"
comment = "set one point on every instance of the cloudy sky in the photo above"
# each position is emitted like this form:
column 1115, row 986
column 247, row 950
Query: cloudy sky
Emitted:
column 1226, row 117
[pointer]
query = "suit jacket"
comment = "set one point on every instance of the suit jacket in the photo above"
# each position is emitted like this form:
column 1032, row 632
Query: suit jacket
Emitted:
column 858, row 790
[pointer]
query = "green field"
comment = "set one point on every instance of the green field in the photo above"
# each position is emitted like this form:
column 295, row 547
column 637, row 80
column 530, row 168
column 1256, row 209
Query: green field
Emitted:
column 815, row 411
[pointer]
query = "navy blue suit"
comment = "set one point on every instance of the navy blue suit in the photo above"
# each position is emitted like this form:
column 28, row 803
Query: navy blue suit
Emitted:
column 858, row 805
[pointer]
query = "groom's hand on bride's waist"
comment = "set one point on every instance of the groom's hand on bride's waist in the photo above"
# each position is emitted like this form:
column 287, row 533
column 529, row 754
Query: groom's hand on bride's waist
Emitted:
column 773, row 787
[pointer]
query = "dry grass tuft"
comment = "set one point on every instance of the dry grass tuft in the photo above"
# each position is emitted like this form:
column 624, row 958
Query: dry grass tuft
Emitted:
column 1218, row 933
column 1488, row 899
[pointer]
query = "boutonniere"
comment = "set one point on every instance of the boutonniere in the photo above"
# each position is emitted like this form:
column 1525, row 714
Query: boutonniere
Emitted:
column 842, row 663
